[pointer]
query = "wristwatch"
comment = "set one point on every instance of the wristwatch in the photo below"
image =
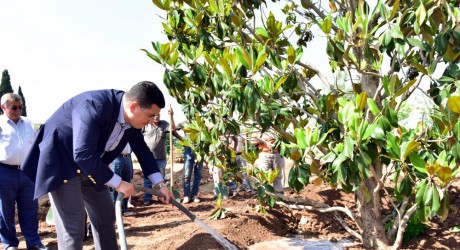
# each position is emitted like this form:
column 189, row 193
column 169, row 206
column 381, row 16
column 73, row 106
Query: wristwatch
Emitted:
column 161, row 185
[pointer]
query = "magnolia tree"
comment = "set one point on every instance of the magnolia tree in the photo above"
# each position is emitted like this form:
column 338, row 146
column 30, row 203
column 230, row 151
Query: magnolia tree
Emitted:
column 235, row 64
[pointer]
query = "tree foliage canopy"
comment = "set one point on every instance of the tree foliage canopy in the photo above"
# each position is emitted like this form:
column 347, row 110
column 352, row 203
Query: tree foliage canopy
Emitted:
column 235, row 64
column 5, row 86
column 24, row 107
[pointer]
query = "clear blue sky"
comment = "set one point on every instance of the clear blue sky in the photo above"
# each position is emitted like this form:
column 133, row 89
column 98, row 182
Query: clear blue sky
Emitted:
column 55, row 49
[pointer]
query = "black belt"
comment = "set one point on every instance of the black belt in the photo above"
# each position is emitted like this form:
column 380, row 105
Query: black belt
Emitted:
column 10, row 166
column 239, row 153
column 125, row 156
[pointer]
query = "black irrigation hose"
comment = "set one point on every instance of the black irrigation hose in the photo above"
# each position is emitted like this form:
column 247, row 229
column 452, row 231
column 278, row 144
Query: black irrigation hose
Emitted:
column 222, row 241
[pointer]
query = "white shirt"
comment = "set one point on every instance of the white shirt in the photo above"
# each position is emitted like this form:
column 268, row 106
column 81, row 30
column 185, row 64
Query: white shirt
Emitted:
column 15, row 139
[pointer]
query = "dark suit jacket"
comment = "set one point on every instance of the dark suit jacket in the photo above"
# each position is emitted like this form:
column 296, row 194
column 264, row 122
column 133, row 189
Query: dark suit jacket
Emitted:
column 73, row 139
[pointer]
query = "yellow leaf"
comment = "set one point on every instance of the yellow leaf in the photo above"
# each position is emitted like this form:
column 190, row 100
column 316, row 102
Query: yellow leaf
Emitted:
column 453, row 103
column 444, row 174
column 291, row 54
column 224, row 64
column 430, row 170
column 394, row 10
column 405, row 88
column 314, row 168
column 332, row 6
column 318, row 182
column 361, row 101
column 295, row 156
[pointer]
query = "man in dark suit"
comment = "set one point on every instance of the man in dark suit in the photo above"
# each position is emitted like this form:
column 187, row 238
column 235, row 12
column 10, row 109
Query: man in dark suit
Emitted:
column 70, row 156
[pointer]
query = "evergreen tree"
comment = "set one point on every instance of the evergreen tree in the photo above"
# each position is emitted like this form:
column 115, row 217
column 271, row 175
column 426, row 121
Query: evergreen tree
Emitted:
column 24, row 110
column 5, row 86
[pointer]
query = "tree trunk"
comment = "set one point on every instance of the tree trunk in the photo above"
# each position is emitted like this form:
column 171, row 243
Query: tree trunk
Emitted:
column 370, row 220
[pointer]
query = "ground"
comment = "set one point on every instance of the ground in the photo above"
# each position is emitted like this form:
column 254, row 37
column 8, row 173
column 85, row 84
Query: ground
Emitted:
column 161, row 226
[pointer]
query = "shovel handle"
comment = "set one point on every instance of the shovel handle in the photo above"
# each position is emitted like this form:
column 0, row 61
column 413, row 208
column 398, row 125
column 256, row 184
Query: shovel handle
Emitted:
column 119, row 217
column 222, row 241
column 172, row 201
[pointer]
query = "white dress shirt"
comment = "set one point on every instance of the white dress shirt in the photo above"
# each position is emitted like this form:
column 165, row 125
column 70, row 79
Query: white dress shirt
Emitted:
column 16, row 139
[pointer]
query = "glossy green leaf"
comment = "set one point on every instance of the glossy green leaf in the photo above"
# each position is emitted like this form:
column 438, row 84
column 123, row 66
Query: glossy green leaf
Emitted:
column 417, row 162
column 420, row 13
column 428, row 196
column 349, row 147
column 436, row 203
column 300, row 138
column 421, row 189
column 373, row 106
column 407, row 148
column 304, row 175
column 338, row 161
column 370, row 130
column 327, row 24
column 392, row 147
column 377, row 132
column 260, row 61
column 405, row 187
column 262, row 32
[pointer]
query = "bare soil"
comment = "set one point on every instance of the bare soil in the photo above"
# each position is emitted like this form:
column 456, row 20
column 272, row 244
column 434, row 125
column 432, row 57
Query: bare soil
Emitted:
column 160, row 226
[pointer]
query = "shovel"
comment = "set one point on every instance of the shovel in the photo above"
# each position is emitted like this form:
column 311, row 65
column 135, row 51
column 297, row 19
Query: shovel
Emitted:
column 222, row 241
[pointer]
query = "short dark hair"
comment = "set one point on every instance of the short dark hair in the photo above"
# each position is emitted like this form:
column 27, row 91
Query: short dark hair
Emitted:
column 146, row 93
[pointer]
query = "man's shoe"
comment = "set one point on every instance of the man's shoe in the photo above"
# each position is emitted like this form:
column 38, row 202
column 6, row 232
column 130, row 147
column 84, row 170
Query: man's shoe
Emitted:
column 11, row 248
column 128, row 213
column 147, row 203
column 39, row 247
column 196, row 199
column 186, row 200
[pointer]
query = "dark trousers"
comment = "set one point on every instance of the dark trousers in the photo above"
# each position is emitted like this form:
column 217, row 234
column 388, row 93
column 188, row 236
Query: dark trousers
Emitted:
column 17, row 189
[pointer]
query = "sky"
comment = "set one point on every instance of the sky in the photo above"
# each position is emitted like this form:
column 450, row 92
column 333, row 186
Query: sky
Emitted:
column 56, row 49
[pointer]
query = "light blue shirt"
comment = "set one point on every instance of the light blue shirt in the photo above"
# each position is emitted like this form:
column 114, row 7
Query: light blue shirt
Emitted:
column 127, row 150
column 16, row 139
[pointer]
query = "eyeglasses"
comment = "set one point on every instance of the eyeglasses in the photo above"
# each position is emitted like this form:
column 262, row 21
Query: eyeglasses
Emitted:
column 150, row 117
column 14, row 108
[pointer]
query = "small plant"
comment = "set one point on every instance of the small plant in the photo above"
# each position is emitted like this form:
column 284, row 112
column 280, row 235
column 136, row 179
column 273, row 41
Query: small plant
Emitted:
column 415, row 227
column 219, row 213
column 175, row 193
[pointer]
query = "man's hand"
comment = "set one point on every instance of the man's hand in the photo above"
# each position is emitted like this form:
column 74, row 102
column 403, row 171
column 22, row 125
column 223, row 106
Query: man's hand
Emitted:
column 126, row 188
column 167, row 193
column 170, row 111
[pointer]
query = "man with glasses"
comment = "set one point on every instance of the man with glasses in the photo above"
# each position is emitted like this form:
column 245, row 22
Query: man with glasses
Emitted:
column 70, row 159
column 16, row 189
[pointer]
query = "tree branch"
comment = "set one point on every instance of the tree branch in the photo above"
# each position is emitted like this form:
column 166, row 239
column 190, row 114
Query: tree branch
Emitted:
column 325, row 210
column 402, row 227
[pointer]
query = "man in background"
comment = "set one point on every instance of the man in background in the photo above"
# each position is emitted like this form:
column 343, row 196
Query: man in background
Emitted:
column 16, row 137
column 269, row 158
column 155, row 137
column 123, row 166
